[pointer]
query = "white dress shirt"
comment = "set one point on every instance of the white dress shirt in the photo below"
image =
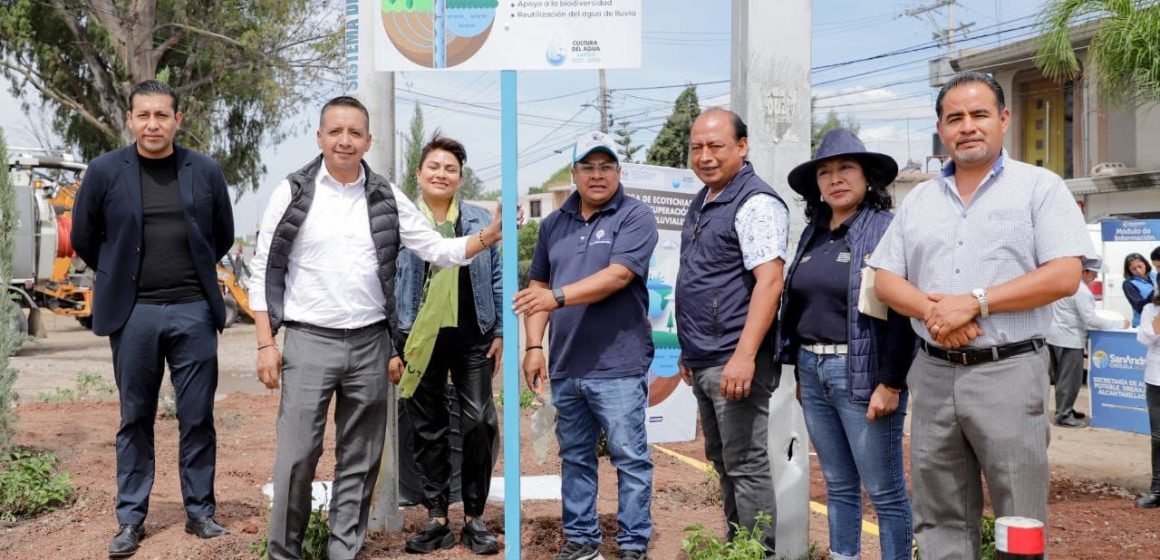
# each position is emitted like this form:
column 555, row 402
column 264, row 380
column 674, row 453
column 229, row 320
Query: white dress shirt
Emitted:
column 332, row 277
column 1148, row 337
column 1073, row 316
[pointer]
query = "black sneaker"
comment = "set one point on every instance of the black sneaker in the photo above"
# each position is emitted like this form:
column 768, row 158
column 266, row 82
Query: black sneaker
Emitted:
column 432, row 537
column 126, row 541
column 633, row 555
column 1148, row 501
column 576, row 551
column 478, row 538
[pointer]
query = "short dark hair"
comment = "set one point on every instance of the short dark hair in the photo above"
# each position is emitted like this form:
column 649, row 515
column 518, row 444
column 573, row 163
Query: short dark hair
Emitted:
column 345, row 101
column 1131, row 258
column 877, row 197
column 1156, row 254
column 449, row 145
column 153, row 87
column 963, row 78
column 740, row 129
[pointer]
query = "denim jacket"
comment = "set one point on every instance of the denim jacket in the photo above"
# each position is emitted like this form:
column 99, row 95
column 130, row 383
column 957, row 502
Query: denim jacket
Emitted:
column 879, row 351
column 486, row 279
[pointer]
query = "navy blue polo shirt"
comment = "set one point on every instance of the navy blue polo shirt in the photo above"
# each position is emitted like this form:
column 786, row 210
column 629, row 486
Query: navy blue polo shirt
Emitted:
column 612, row 337
column 821, row 284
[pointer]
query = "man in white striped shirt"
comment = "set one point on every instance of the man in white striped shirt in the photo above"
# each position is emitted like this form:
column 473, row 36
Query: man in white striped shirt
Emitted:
column 975, row 257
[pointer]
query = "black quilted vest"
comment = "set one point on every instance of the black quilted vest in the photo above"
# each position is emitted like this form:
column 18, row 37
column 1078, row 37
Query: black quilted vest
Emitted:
column 384, row 224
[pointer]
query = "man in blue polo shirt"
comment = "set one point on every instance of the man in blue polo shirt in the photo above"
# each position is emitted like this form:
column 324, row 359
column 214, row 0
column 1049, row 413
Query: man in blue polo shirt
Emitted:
column 588, row 276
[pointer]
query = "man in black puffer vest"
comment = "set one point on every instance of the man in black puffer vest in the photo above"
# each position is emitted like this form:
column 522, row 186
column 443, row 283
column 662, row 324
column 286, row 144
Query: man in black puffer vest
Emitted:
column 325, row 269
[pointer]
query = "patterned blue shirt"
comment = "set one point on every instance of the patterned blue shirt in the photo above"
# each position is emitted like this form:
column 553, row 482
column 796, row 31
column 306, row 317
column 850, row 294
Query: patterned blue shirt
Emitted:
column 1020, row 217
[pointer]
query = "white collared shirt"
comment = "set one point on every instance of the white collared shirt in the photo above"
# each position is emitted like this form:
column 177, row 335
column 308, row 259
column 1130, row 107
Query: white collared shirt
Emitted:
column 1072, row 318
column 332, row 277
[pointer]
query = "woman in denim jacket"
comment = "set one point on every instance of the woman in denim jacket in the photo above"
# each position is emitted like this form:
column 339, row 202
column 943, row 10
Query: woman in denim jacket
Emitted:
column 851, row 367
column 449, row 321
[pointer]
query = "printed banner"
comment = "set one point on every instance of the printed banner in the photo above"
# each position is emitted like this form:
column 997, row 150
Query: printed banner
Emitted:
column 417, row 35
column 672, row 413
column 1130, row 230
column 1116, row 382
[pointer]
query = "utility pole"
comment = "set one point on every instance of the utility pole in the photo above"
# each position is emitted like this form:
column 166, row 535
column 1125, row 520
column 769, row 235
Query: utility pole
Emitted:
column 605, row 122
column 770, row 90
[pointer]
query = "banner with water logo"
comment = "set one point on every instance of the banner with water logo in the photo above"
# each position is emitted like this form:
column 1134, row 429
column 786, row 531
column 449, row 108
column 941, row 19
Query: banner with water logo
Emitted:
column 1116, row 381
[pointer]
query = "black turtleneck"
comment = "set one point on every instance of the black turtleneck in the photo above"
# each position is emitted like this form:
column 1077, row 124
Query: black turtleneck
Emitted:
column 167, row 272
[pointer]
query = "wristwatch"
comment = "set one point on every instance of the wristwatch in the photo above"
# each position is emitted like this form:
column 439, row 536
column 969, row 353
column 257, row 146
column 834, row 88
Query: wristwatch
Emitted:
column 981, row 295
column 558, row 293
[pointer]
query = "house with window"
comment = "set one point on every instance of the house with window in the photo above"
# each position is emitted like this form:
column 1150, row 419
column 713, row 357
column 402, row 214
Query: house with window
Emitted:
column 1108, row 154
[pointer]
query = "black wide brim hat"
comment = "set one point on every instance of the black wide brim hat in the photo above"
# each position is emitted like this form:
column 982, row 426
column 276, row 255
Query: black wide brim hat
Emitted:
column 880, row 169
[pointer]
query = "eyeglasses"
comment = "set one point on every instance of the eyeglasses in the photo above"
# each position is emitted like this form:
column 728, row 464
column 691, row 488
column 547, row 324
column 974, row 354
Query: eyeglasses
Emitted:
column 592, row 169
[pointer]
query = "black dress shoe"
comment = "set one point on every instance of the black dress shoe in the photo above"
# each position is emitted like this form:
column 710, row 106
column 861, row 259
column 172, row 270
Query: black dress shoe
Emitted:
column 1078, row 414
column 478, row 538
column 205, row 527
column 126, row 541
column 1070, row 421
column 432, row 537
column 1148, row 501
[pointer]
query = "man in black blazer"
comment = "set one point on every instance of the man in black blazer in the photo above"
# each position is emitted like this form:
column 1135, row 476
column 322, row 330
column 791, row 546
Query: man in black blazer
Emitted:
column 153, row 219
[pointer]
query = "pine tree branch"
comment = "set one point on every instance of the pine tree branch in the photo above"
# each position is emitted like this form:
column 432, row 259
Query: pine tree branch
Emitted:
column 62, row 98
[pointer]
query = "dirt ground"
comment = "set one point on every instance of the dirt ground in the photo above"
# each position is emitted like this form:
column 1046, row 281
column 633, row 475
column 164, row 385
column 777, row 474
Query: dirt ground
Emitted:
column 1095, row 475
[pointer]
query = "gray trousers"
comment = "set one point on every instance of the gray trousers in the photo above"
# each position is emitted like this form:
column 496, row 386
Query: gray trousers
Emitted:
column 1067, row 374
column 991, row 419
column 315, row 367
column 737, row 442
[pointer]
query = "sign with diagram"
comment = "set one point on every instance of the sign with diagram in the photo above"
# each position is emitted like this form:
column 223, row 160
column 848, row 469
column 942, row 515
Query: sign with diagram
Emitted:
column 1116, row 382
column 672, row 412
column 417, row 35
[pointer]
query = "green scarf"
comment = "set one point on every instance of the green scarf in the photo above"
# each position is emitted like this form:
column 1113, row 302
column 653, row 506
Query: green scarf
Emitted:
column 439, row 309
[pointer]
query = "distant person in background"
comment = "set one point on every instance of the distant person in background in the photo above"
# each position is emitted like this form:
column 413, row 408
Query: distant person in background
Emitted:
column 1139, row 284
column 1156, row 265
column 1072, row 318
column 1147, row 335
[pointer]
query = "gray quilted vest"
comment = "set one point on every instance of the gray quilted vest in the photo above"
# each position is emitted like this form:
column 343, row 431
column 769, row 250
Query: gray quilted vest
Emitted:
column 384, row 222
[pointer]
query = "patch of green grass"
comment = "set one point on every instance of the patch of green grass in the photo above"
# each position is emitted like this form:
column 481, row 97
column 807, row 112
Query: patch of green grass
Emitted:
column 699, row 544
column 527, row 399
column 89, row 386
column 30, row 485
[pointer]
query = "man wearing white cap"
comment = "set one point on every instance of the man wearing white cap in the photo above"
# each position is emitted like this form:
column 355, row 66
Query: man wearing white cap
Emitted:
column 588, row 277
column 1072, row 317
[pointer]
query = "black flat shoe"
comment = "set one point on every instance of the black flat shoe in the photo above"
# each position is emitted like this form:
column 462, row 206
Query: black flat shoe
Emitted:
column 1148, row 501
column 478, row 538
column 205, row 527
column 126, row 541
column 432, row 537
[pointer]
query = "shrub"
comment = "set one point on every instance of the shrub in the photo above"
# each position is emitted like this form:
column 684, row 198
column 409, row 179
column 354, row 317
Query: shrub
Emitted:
column 30, row 485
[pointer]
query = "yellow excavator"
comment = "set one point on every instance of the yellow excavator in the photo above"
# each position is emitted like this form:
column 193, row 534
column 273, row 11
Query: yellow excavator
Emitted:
column 233, row 276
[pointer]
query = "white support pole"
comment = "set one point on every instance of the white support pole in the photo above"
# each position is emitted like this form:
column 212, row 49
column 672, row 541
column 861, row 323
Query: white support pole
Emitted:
column 771, row 91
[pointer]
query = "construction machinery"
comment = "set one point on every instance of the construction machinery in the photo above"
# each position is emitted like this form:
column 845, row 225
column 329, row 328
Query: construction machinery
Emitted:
column 46, row 273
column 233, row 275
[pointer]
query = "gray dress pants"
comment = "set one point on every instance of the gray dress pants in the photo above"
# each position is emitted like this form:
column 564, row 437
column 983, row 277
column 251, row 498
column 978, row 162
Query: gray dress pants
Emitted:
column 319, row 364
column 988, row 419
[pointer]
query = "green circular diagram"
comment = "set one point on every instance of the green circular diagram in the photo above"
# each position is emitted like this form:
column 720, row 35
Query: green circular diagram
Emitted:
column 438, row 33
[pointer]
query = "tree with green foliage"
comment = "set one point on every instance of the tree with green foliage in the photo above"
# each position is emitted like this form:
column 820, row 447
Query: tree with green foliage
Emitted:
column 412, row 151
column 671, row 147
column 10, row 334
column 1123, row 50
column 242, row 69
column 471, row 187
column 526, row 247
column 819, row 129
column 628, row 150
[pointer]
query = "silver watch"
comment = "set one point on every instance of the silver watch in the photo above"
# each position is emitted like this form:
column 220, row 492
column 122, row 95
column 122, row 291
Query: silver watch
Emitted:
column 981, row 295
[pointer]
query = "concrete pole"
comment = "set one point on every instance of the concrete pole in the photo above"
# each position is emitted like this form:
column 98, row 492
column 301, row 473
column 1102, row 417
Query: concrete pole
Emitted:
column 771, row 91
column 377, row 91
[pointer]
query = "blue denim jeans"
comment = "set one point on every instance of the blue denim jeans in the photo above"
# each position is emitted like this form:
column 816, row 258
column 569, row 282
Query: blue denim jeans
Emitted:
column 617, row 405
column 854, row 452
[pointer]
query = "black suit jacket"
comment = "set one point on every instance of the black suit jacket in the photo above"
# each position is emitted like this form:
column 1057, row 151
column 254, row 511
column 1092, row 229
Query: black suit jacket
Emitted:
column 107, row 226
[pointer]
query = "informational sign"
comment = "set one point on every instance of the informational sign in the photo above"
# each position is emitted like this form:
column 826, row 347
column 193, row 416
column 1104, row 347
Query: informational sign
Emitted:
column 415, row 35
column 672, row 412
column 1116, row 382
column 1130, row 230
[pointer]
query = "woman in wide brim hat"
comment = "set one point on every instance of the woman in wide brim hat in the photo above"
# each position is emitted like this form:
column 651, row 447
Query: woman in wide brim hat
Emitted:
column 851, row 367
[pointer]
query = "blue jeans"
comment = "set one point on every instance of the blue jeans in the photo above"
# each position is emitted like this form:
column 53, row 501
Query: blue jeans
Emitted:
column 853, row 452
column 617, row 405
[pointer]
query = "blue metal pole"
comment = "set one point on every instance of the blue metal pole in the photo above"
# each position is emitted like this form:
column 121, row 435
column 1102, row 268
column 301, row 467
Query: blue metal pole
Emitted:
column 511, row 346
column 440, row 38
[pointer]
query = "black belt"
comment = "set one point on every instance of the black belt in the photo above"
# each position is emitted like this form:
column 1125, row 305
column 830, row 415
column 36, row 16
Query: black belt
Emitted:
column 972, row 356
column 334, row 333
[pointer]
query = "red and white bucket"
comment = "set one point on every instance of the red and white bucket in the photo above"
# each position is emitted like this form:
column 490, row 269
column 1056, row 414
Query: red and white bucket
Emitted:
column 1019, row 538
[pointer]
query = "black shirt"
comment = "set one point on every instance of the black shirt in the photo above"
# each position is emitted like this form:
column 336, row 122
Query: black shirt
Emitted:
column 468, row 320
column 167, row 272
column 820, row 286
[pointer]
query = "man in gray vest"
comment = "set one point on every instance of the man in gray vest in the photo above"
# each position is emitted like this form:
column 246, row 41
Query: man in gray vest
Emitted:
column 732, row 253
column 325, row 269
